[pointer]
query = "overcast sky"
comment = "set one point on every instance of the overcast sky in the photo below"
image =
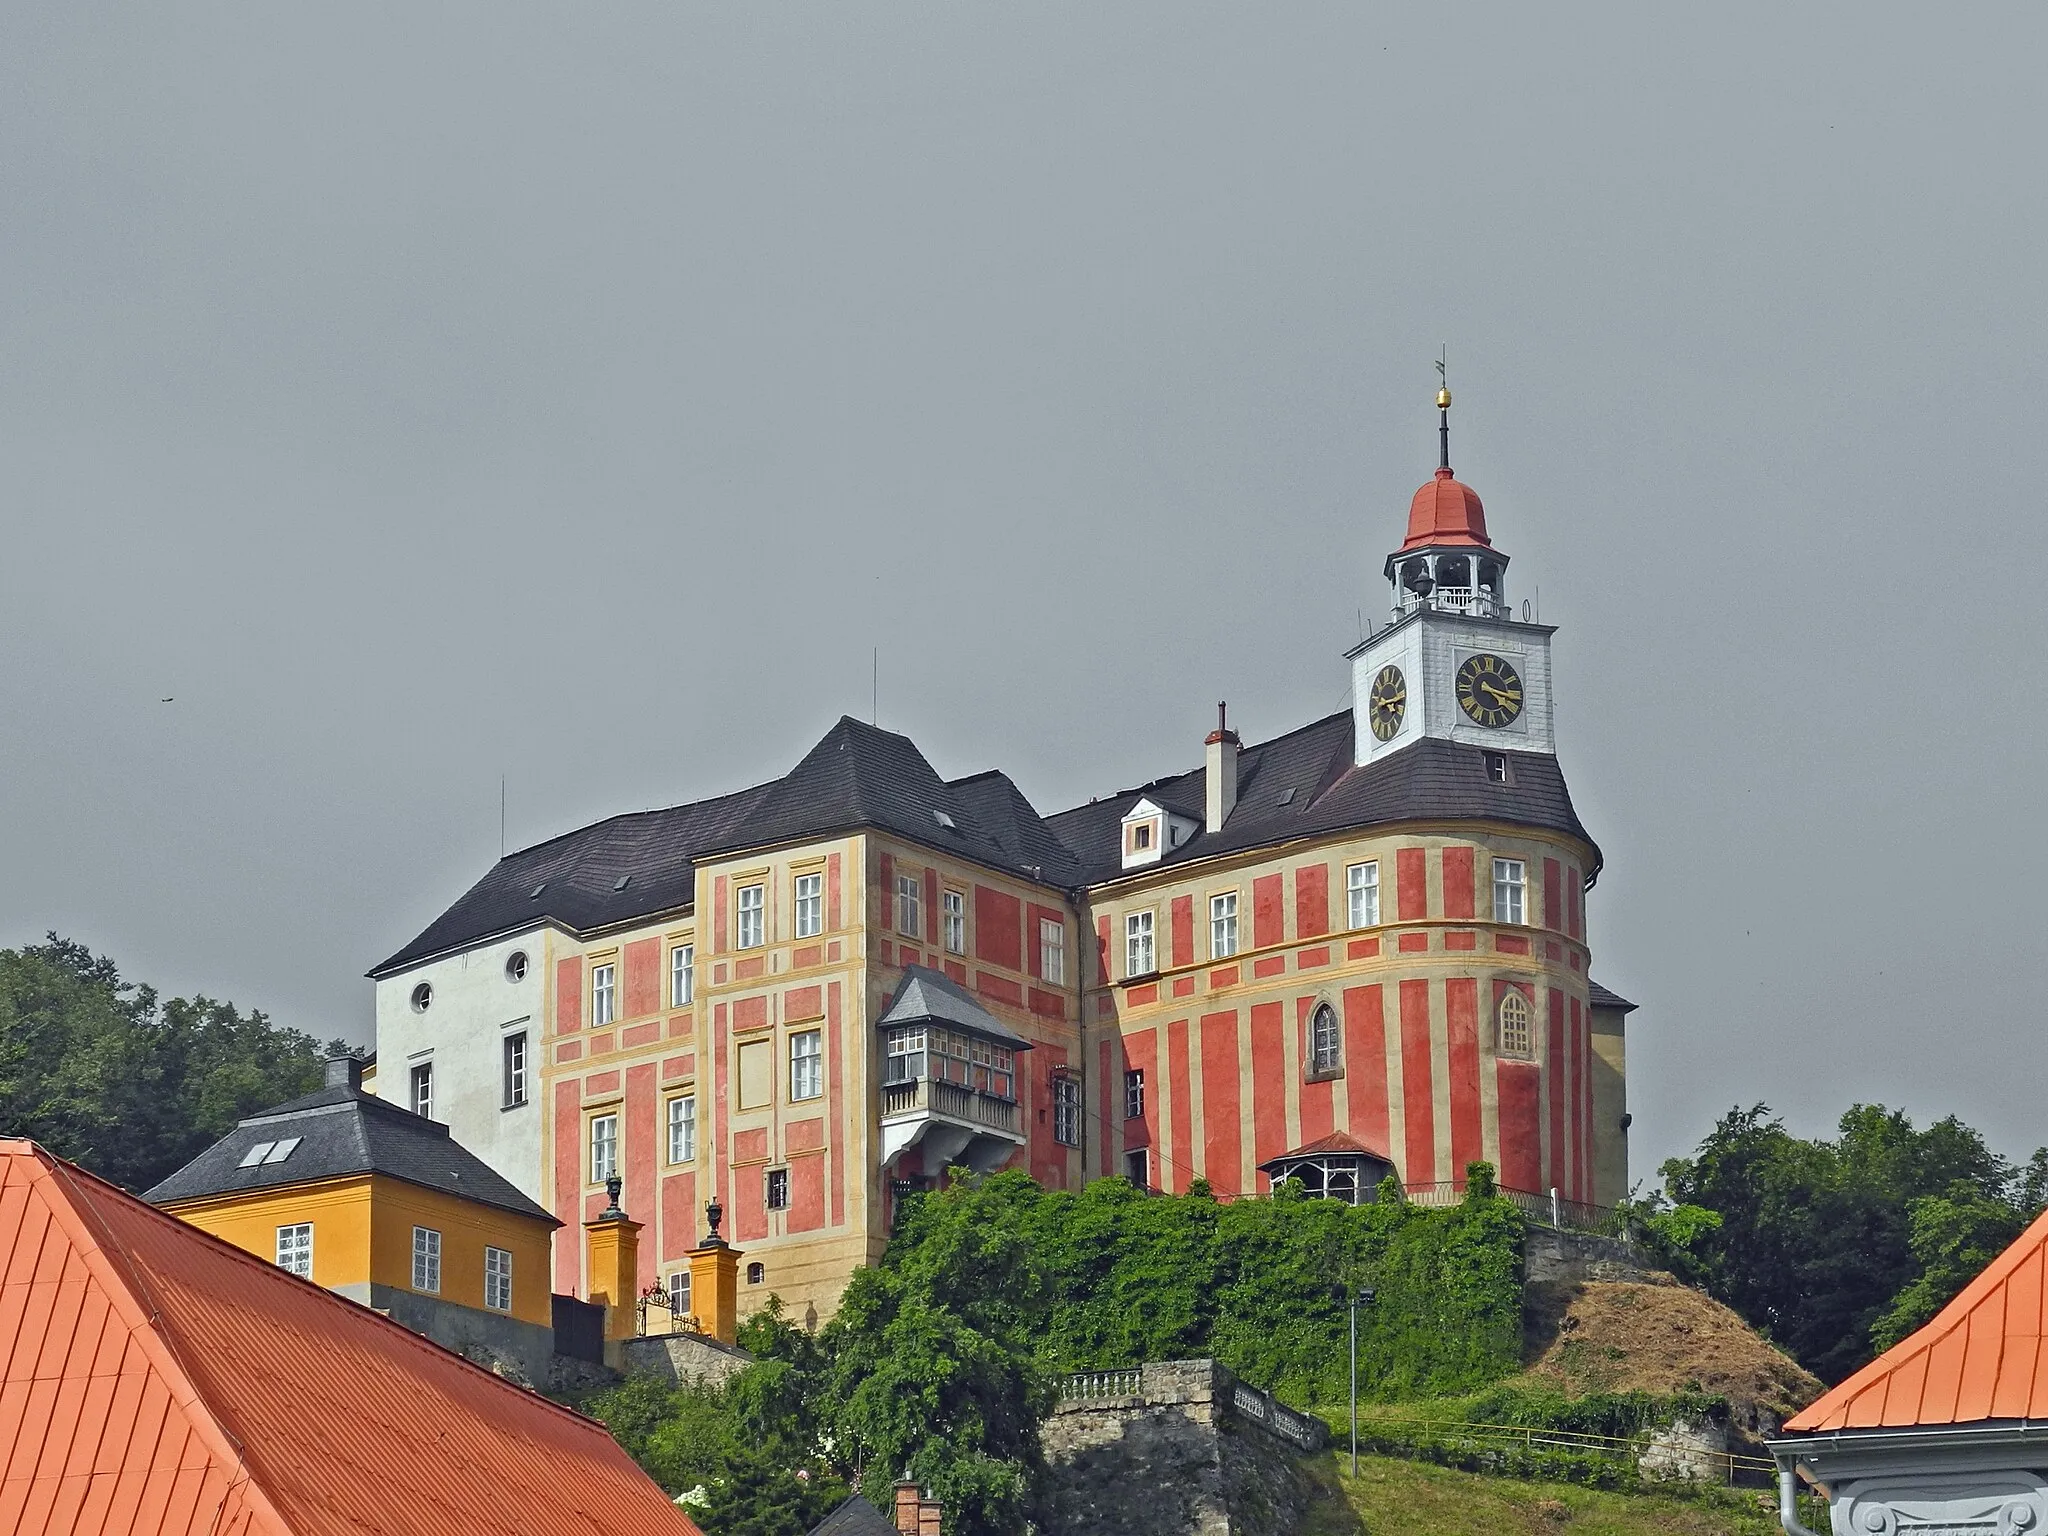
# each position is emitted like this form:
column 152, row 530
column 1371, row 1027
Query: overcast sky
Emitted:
column 423, row 394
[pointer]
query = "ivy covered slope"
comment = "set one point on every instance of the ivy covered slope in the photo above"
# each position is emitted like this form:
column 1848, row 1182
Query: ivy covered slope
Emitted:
column 1262, row 1285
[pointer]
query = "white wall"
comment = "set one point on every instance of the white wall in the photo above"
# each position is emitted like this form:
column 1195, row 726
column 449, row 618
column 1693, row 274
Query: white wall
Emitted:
column 475, row 1006
column 1429, row 647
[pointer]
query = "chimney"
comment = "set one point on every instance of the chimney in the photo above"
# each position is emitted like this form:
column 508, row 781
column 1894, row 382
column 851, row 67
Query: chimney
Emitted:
column 928, row 1517
column 909, row 1497
column 345, row 1072
column 1222, row 745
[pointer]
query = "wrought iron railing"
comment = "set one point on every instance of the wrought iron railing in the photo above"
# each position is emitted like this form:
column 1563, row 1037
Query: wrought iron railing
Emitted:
column 1547, row 1209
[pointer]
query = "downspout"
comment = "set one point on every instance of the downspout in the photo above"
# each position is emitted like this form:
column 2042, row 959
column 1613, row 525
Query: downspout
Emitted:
column 1788, row 1502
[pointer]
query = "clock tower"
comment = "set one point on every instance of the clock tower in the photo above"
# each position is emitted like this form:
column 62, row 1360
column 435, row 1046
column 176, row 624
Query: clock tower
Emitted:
column 1454, row 663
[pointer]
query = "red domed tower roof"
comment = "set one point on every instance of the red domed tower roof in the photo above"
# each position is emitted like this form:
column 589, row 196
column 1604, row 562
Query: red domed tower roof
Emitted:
column 1446, row 511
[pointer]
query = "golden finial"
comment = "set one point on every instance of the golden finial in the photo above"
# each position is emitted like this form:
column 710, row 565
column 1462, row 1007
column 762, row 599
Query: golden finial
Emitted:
column 1443, row 407
column 1443, row 394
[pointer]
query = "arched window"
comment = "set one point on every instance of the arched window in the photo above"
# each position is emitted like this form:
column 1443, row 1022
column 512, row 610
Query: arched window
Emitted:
column 1324, row 1050
column 1514, row 1024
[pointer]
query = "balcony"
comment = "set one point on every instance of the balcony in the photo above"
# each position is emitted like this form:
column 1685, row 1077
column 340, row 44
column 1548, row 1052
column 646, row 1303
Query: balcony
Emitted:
column 949, row 1123
column 1474, row 600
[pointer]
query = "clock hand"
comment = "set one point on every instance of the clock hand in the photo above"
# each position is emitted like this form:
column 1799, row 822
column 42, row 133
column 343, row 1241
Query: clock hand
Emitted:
column 1505, row 698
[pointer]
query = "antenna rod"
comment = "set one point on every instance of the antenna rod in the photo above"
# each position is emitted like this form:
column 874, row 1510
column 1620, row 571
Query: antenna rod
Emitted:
column 875, row 685
column 501, row 815
column 1443, row 406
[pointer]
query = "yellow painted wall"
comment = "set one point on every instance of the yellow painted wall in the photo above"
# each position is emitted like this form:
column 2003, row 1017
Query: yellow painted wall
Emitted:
column 339, row 1210
column 466, row 1228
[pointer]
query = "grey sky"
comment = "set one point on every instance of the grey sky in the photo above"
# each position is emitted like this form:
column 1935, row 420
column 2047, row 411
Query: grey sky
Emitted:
column 419, row 394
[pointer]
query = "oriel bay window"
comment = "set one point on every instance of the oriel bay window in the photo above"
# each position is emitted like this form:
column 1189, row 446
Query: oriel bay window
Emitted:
column 946, row 1056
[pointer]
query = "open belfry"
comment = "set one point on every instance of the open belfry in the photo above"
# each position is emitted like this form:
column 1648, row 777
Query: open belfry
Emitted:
column 1352, row 951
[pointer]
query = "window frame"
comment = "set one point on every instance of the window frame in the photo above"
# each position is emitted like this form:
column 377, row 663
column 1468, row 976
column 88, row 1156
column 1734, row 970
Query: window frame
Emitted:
column 1052, row 950
column 1511, row 892
column 1324, row 1057
column 426, row 1260
column 1138, row 1161
column 289, row 1258
column 681, row 1117
column 1362, row 893
column 775, row 1182
column 1141, row 927
column 1223, row 930
column 807, row 903
column 517, row 1073
column 1134, row 1093
column 953, row 924
column 1522, row 1025
column 421, row 1096
column 604, row 994
column 909, row 905
column 497, row 1276
column 1066, row 1109
column 682, row 975
column 600, row 1172
column 812, row 1058
column 755, row 910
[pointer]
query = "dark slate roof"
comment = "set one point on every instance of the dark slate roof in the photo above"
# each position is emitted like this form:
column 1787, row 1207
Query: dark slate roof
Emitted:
column 857, row 776
column 1306, row 784
column 344, row 1131
column 862, row 776
column 855, row 1517
column 574, row 879
column 928, row 994
column 1600, row 997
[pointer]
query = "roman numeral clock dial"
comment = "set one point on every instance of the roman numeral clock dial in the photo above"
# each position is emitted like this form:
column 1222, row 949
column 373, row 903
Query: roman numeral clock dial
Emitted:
column 1387, row 702
column 1489, row 690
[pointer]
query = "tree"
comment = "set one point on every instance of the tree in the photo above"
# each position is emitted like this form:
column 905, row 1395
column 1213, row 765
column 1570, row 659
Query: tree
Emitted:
column 103, row 1073
column 1767, row 1222
column 932, row 1371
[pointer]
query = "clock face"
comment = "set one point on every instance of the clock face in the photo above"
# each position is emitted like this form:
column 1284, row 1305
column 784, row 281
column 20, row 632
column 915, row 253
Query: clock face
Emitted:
column 1489, row 690
column 1387, row 702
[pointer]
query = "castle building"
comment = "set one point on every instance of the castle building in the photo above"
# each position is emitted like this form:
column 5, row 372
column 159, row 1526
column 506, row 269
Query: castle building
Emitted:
column 1356, row 948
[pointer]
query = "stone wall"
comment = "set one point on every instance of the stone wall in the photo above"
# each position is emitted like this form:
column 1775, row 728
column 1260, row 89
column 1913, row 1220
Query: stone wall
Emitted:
column 679, row 1357
column 520, row 1351
column 1181, row 1448
column 1551, row 1256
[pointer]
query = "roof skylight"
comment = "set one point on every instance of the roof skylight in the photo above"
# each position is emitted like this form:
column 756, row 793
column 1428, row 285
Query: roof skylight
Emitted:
column 256, row 1154
column 283, row 1149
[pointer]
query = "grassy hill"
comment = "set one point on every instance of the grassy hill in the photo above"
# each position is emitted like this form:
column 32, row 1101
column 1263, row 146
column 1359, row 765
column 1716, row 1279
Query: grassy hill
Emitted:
column 1420, row 1500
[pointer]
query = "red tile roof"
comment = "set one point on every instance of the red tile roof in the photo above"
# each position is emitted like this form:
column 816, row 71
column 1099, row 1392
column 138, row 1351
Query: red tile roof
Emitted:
column 1981, row 1357
column 1336, row 1141
column 160, row 1382
column 1446, row 511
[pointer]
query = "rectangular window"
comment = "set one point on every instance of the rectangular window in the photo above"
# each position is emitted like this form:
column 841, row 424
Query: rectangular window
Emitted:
column 956, row 922
column 515, row 1070
column 679, row 1293
column 682, row 1128
column 423, row 1090
column 778, row 1189
column 498, row 1279
column 1052, row 950
column 426, row 1259
column 682, row 975
column 1223, row 926
column 603, row 995
column 1134, row 1094
column 909, row 912
column 1496, row 768
column 604, row 1147
column 1362, row 888
column 807, row 1065
column 1138, row 944
column 749, row 928
column 1066, row 1111
column 905, row 1062
column 295, row 1249
column 810, row 906
column 1136, row 1169
column 1510, row 881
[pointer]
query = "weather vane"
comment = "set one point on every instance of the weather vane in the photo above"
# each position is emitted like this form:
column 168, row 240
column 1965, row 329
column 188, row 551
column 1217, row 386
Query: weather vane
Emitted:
column 1443, row 405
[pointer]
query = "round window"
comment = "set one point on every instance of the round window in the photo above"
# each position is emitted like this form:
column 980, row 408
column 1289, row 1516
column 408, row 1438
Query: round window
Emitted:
column 515, row 968
column 422, row 997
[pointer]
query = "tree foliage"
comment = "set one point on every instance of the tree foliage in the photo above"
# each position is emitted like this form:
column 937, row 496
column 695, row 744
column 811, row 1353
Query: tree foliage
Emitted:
column 1837, row 1248
column 104, row 1072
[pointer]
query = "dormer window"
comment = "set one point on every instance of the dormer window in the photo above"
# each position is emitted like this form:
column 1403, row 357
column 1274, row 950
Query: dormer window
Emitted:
column 1150, row 831
column 1141, row 836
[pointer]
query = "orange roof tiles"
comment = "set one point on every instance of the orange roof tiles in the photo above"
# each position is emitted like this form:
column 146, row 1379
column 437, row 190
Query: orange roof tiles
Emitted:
column 1446, row 511
column 1980, row 1358
column 161, row 1383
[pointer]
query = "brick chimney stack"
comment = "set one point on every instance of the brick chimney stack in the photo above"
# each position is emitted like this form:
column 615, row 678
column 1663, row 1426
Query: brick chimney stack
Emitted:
column 1222, row 748
column 908, row 1498
column 928, row 1518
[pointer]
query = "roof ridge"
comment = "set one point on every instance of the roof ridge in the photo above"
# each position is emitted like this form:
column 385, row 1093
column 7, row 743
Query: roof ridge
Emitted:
column 261, row 1266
